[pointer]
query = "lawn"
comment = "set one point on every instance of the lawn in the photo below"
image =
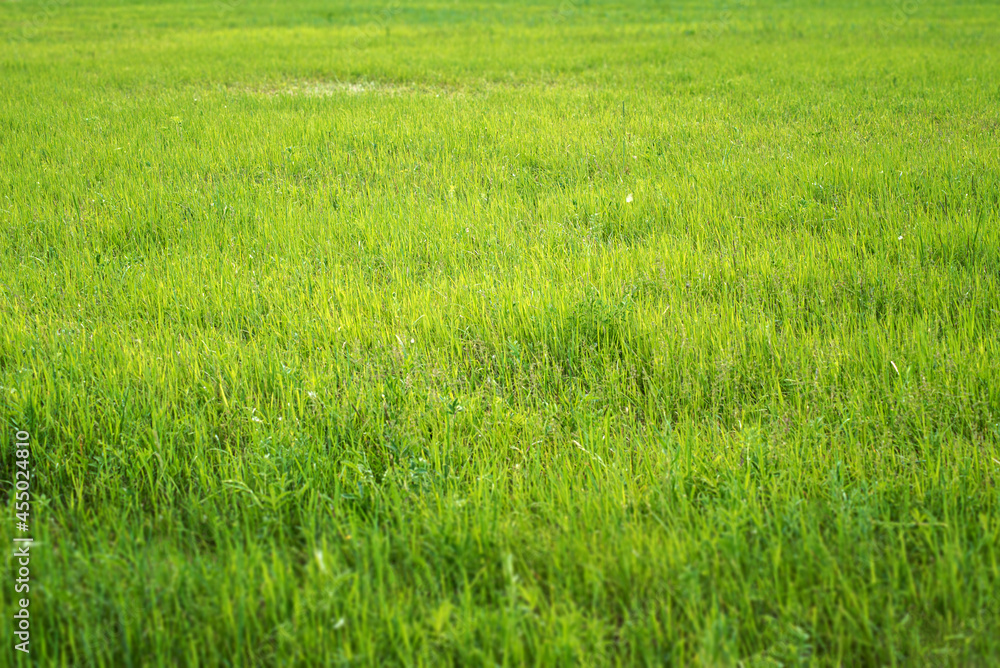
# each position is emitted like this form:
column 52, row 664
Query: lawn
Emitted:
column 572, row 332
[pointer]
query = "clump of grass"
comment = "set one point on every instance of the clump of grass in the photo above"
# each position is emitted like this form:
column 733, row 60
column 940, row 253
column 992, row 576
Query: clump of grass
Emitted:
column 595, row 333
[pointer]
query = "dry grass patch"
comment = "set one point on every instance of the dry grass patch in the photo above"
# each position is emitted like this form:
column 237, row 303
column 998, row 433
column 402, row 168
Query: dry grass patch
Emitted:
column 312, row 88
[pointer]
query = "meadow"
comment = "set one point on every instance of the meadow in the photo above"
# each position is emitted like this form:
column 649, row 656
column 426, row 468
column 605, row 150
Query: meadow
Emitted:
column 502, row 333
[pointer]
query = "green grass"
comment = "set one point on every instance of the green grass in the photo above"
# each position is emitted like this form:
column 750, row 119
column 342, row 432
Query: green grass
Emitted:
column 339, row 341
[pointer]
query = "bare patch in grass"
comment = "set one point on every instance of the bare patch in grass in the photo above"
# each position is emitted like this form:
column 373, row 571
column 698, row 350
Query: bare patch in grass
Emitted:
column 305, row 88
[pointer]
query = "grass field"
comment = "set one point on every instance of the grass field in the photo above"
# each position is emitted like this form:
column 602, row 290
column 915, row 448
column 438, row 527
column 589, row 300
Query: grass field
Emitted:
column 435, row 332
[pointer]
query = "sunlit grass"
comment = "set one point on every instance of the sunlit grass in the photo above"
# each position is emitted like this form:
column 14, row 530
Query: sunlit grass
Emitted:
column 496, row 333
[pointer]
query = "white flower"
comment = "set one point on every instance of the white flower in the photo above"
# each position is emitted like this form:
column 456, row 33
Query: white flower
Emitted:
column 628, row 200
